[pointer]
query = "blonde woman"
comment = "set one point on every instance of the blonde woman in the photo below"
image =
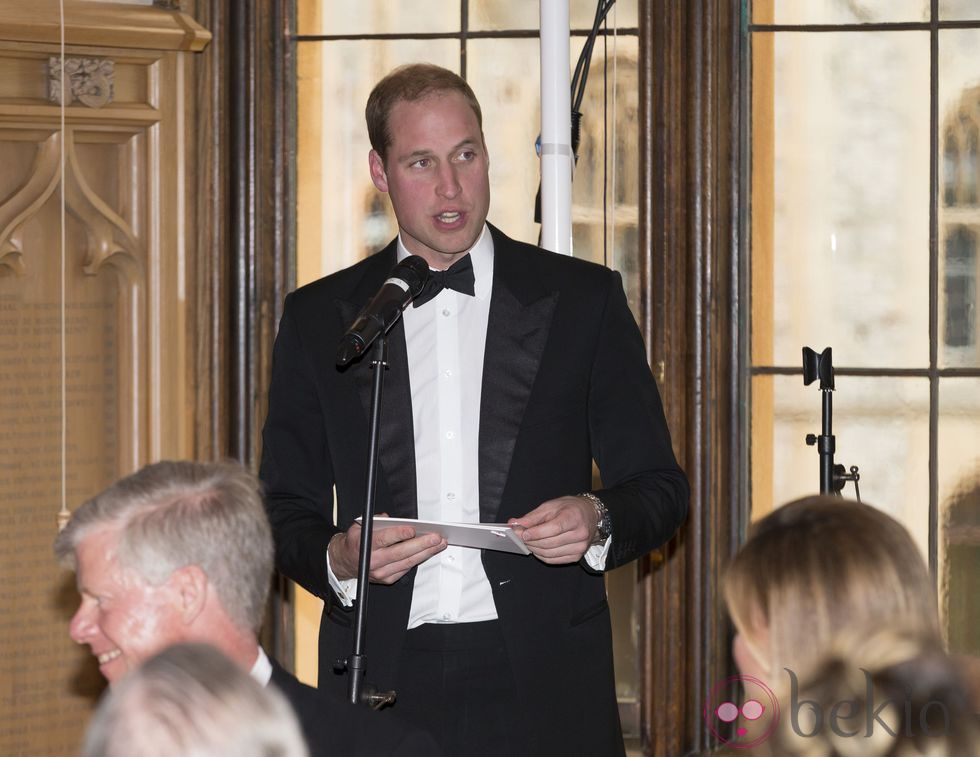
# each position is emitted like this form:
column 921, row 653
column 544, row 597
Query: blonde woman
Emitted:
column 818, row 566
column 810, row 571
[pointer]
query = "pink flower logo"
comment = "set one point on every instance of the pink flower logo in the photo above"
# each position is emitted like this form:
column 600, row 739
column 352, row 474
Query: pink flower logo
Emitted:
column 741, row 726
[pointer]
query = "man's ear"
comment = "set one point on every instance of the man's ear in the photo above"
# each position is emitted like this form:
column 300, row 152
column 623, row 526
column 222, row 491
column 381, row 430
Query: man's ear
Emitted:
column 190, row 584
column 378, row 175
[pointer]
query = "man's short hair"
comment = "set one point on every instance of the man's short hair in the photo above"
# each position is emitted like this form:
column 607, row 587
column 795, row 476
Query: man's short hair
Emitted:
column 411, row 83
column 177, row 513
column 190, row 699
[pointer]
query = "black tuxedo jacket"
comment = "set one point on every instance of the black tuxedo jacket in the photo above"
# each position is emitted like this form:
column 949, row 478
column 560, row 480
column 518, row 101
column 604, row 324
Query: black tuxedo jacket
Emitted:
column 565, row 381
column 333, row 726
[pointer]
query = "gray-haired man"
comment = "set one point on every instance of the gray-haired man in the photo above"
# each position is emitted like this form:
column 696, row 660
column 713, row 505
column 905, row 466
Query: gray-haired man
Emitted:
column 182, row 552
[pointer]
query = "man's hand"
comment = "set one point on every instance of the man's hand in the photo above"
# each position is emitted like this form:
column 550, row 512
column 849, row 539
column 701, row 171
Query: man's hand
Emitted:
column 395, row 550
column 560, row 530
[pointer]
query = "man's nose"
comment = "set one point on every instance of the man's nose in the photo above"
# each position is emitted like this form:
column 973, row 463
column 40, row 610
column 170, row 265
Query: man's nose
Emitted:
column 80, row 628
column 448, row 186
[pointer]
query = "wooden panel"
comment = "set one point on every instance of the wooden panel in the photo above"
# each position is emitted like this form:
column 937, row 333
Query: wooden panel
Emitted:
column 98, row 341
column 100, row 24
column 27, row 81
column 51, row 682
column 689, row 190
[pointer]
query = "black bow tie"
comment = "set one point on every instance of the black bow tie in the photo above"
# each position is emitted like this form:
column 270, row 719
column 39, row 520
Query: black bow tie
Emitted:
column 459, row 277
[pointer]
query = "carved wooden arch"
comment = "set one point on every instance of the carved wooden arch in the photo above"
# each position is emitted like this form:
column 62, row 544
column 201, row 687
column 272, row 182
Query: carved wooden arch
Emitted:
column 110, row 241
column 109, row 236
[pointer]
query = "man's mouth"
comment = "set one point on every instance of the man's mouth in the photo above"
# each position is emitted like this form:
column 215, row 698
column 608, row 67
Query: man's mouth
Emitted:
column 449, row 217
column 109, row 656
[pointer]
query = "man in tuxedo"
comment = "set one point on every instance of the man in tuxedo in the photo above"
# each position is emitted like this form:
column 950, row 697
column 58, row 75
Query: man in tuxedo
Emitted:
column 511, row 372
column 182, row 552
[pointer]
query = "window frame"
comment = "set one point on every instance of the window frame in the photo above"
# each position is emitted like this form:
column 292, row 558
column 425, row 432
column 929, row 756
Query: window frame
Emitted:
column 939, row 186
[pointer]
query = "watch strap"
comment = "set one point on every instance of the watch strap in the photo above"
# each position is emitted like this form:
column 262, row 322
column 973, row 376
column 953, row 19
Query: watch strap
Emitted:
column 603, row 521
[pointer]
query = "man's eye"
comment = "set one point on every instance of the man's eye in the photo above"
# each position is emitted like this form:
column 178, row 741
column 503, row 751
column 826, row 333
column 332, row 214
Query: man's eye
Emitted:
column 467, row 155
column 422, row 163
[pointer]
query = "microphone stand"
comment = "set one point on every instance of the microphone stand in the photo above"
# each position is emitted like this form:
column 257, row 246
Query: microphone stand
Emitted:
column 832, row 477
column 360, row 692
column 404, row 284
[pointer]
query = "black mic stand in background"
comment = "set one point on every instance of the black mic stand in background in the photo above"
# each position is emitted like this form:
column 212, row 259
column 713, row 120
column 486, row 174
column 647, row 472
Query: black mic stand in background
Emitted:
column 360, row 692
column 832, row 477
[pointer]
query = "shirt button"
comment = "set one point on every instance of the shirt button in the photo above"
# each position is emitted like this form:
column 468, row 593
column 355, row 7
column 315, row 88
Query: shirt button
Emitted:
column 445, row 311
column 447, row 373
column 446, row 616
column 452, row 558
column 450, row 435
column 450, row 495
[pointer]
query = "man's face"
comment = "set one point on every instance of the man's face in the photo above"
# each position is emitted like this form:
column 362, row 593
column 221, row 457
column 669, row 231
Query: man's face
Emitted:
column 122, row 618
column 436, row 175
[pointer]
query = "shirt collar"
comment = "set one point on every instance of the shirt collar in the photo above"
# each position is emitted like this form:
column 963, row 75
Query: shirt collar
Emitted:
column 481, row 253
column 262, row 669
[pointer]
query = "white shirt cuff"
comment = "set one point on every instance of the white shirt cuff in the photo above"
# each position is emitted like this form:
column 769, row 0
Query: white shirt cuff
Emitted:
column 595, row 556
column 345, row 590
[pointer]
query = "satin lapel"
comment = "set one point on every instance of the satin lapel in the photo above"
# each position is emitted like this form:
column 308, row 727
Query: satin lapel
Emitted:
column 521, row 310
column 397, row 442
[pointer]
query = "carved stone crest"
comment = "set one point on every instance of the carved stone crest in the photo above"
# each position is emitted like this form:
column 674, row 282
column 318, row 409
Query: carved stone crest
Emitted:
column 88, row 80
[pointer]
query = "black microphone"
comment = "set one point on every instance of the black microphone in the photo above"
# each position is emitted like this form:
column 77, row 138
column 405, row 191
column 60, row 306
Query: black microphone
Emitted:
column 381, row 313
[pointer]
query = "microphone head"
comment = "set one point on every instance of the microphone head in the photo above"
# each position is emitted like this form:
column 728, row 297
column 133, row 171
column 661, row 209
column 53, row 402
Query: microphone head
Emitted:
column 414, row 271
column 349, row 348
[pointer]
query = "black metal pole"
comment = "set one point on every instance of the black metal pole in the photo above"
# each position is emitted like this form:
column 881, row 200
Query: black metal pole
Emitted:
column 826, row 445
column 357, row 663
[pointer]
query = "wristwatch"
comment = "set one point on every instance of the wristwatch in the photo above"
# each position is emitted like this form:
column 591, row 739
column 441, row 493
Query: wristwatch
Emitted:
column 603, row 522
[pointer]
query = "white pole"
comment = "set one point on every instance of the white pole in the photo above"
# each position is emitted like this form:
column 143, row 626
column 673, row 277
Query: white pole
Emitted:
column 556, row 129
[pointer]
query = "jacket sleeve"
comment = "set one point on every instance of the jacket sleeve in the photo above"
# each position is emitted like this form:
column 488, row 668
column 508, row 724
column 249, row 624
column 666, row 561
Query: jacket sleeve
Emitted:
column 644, row 488
column 296, row 468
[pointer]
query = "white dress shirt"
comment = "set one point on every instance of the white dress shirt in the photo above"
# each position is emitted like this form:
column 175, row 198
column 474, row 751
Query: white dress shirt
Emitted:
column 446, row 338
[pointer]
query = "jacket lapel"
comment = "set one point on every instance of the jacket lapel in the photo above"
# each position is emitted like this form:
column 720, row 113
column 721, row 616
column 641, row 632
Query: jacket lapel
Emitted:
column 521, row 309
column 397, row 435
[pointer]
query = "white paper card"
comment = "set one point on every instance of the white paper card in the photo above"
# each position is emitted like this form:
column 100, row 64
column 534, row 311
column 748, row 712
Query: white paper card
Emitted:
column 496, row 536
